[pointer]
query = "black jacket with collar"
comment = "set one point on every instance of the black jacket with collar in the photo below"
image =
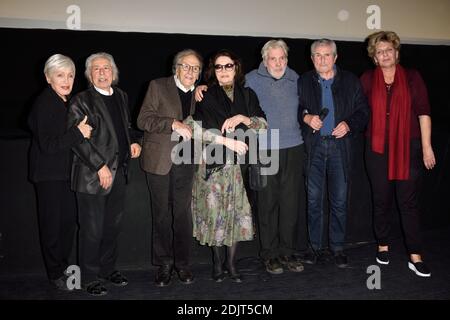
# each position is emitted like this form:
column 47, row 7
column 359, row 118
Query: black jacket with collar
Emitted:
column 350, row 105
column 50, row 154
column 102, row 147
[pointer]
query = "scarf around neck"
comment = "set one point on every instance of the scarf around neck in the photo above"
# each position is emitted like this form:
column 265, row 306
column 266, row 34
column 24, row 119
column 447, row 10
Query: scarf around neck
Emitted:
column 399, row 122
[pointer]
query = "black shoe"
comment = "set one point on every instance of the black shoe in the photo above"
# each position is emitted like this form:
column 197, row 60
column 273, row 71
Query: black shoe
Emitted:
column 218, row 276
column 307, row 257
column 419, row 269
column 185, row 276
column 96, row 289
column 236, row 277
column 233, row 273
column 273, row 266
column 340, row 259
column 164, row 275
column 382, row 257
column 116, row 278
column 60, row 283
column 322, row 256
column 291, row 263
column 219, row 273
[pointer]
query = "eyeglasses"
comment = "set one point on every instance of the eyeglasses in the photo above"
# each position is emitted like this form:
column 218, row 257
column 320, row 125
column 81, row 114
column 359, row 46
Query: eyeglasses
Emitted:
column 388, row 51
column 227, row 67
column 186, row 67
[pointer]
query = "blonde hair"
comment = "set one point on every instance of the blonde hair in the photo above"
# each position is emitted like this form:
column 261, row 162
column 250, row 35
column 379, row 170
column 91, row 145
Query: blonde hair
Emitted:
column 382, row 36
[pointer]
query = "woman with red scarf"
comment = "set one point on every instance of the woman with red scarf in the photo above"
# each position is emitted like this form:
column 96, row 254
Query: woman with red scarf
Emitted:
column 398, row 142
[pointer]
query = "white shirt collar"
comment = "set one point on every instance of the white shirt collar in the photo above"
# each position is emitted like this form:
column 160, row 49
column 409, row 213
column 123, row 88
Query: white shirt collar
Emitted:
column 104, row 92
column 180, row 85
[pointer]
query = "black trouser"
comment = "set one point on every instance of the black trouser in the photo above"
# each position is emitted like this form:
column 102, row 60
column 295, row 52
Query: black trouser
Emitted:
column 171, row 196
column 100, row 218
column 405, row 191
column 57, row 214
column 279, row 207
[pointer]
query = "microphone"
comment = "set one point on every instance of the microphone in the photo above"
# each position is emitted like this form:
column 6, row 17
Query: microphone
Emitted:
column 322, row 115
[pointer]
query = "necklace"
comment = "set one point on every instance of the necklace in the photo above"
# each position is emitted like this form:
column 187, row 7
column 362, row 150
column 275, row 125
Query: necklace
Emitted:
column 389, row 86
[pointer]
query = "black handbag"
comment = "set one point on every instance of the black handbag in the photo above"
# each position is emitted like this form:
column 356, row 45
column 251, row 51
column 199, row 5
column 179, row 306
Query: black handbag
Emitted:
column 257, row 181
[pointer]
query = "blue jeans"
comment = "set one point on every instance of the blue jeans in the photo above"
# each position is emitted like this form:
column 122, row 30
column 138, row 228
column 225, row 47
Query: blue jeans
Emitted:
column 327, row 163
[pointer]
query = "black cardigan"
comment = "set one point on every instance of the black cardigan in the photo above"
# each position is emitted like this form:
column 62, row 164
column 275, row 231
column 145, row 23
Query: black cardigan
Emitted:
column 216, row 107
column 50, row 154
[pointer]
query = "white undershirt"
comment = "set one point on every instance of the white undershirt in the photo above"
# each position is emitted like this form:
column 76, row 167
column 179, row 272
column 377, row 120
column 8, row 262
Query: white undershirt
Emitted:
column 180, row 85
column 104, row 92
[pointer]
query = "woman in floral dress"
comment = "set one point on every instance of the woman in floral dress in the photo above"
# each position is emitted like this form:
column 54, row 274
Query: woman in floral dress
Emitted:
column 221, row 210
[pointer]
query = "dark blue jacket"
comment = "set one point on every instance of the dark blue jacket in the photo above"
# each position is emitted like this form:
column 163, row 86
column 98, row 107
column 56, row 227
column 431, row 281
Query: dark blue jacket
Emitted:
column 350, row 105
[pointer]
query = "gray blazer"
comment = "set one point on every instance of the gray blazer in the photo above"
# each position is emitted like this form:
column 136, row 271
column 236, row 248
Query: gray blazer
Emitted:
column 161, row 106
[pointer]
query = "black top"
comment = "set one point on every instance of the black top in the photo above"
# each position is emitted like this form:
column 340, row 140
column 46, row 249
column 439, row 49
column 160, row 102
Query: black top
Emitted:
column 114, row 111
column 50, row 154
column 186, row 98
column 216, row 107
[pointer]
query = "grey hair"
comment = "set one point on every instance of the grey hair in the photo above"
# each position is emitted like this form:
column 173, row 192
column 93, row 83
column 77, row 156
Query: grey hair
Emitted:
column 324, row 42
column 272, row 44
column 58, row 61
column 104, row 55
column 184, row 53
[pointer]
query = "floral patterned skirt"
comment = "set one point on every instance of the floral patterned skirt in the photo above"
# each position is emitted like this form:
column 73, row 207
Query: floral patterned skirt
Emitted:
column 221, row 212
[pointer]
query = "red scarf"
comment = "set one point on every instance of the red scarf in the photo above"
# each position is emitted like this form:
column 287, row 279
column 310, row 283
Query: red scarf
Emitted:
column 399, row 121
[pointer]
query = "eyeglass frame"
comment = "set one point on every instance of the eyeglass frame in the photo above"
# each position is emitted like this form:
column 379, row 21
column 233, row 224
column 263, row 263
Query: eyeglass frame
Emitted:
column 387, row 51
column 186, row 67
column 226, row 67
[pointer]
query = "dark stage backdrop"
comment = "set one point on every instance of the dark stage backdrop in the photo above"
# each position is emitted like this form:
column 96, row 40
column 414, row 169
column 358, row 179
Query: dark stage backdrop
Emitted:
column 142, row 57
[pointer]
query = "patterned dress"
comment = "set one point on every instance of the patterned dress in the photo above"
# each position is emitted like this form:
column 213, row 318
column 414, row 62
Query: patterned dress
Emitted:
column 221, row 211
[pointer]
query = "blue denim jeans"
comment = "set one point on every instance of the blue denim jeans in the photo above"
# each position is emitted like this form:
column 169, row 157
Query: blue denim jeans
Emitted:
column 327, row 165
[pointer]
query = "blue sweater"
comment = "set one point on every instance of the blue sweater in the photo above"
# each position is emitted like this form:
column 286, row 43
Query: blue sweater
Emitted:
column 279, row 101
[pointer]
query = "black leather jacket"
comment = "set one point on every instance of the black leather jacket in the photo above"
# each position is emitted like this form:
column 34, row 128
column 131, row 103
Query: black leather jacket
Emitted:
column 350, row 106
column 102, row 147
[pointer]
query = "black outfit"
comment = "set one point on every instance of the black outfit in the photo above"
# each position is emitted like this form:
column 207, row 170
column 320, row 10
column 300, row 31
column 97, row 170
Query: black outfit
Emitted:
column 50, row 161
column 406, row 191
column 100, row 210
column 171, row 207
column 216, row 107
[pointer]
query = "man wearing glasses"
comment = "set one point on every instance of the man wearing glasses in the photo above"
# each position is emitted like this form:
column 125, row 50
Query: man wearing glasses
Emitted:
column 167, row 103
